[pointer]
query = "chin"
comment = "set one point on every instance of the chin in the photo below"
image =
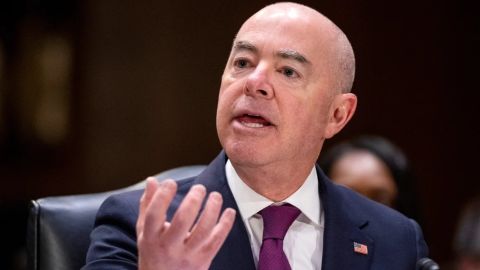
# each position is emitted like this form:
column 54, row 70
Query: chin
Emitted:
column 246, row 154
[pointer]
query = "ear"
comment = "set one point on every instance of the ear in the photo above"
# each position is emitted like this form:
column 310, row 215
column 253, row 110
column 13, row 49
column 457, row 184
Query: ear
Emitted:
column 342, row 110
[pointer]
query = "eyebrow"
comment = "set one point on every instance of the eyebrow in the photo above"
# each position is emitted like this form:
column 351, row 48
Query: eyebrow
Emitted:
column 294, row 55
column 244, row 46
column 284, row 53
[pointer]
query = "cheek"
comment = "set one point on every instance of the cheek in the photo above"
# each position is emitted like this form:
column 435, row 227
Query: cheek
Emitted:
column 230, row 88
column 320, row 114
column 224, row 95
column 304, row 130
column 222, row 111
column 310, row 118
column 227, row 97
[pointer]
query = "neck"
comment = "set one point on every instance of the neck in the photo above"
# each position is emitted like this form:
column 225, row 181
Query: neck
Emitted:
column 274, row 182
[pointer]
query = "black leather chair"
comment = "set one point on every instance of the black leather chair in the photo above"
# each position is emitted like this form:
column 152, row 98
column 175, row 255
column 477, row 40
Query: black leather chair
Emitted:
column 59, row 227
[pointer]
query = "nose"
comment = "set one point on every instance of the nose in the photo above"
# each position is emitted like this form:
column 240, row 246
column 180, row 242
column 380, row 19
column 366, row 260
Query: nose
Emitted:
column 258, row 84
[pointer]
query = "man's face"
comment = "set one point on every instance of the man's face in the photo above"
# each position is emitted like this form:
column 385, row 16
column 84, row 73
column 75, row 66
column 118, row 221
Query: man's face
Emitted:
column 276, row 91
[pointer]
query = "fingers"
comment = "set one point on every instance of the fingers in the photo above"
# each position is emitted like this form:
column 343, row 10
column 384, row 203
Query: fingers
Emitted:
column 219, row 233
column 186, row 214
column 175, row 245
column 155, row 212
column 150, row 189
column 207, row 220
column 210, row 231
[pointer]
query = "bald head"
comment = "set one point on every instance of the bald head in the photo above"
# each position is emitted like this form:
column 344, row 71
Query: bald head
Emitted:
column 330, row 39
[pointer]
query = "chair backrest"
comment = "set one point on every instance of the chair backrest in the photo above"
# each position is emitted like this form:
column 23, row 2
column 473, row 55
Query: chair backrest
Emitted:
column 59, row 227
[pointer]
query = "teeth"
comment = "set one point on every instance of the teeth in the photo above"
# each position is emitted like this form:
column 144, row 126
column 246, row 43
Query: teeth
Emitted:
column 252, row 125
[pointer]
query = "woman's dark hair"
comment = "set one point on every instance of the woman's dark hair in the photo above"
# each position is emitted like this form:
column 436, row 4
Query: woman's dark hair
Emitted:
column 392, row 156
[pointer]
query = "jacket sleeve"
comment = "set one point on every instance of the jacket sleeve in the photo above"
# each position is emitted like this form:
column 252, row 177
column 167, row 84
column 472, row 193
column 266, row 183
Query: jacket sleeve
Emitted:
column 113, row 238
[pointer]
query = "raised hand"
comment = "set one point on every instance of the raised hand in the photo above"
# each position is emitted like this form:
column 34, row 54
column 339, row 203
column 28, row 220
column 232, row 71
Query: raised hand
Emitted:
column 180, row 244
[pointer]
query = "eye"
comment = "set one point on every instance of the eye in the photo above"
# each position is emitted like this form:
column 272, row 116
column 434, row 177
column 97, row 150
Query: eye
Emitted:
column 241, row 63
column 289, row 72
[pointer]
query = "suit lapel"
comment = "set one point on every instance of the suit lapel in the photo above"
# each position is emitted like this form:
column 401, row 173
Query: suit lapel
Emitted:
column 236, row 252
column 342, row 230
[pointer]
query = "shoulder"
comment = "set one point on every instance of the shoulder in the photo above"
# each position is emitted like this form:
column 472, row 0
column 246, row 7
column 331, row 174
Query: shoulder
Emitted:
column 356, row 206
column 363, row 207
column 113, row 238
column 389, row 229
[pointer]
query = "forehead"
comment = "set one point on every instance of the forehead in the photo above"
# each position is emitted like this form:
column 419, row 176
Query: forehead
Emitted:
column 362, row 161
column 277, row 32
column 288, row 30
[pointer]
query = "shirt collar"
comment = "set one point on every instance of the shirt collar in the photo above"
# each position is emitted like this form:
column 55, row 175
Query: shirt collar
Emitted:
column 306, row 198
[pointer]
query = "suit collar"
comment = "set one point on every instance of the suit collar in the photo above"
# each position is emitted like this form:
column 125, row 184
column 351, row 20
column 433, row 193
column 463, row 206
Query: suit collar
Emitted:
column 343, row 228
column 250, row 202
column 236, row 252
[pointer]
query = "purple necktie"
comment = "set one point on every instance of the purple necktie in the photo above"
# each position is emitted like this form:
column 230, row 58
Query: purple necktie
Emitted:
column 276, row 221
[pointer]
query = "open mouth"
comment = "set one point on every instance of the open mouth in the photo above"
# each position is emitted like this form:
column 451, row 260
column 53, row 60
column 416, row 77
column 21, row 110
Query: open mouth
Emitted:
column 253, row 121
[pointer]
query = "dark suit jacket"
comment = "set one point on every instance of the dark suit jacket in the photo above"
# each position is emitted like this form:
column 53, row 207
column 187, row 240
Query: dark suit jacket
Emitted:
column 393, row 241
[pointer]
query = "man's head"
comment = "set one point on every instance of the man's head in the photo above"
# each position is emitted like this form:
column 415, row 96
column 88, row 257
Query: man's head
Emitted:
column 285, row 88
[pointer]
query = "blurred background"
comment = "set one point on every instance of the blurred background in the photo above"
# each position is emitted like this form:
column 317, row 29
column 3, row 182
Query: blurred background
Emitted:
column 97, row 95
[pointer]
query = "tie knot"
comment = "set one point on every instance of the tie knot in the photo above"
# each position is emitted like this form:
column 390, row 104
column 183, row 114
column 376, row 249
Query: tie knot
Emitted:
column 277, row 219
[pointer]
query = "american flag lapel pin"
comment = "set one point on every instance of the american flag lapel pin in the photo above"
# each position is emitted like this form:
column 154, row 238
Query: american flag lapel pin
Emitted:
column 360, row 248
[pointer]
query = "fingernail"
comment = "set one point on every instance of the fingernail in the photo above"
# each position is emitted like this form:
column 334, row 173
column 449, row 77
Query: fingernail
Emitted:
column 151, row 179
column 230, row 211
column 150, row 183
column 198, row 189
column 215, row 196
column 169, row 184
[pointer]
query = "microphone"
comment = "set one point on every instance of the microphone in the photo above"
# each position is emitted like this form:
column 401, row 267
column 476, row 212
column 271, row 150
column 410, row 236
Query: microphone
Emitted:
column 427, row 264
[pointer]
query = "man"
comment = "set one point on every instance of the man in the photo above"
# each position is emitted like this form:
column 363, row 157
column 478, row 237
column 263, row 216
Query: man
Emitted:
column 285, row 89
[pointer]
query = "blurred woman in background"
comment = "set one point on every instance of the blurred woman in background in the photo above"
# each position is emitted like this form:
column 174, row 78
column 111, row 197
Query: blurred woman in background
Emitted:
column 376, row 168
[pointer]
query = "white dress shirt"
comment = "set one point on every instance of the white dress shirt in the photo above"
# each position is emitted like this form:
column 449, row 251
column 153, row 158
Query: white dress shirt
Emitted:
column 303, row 243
